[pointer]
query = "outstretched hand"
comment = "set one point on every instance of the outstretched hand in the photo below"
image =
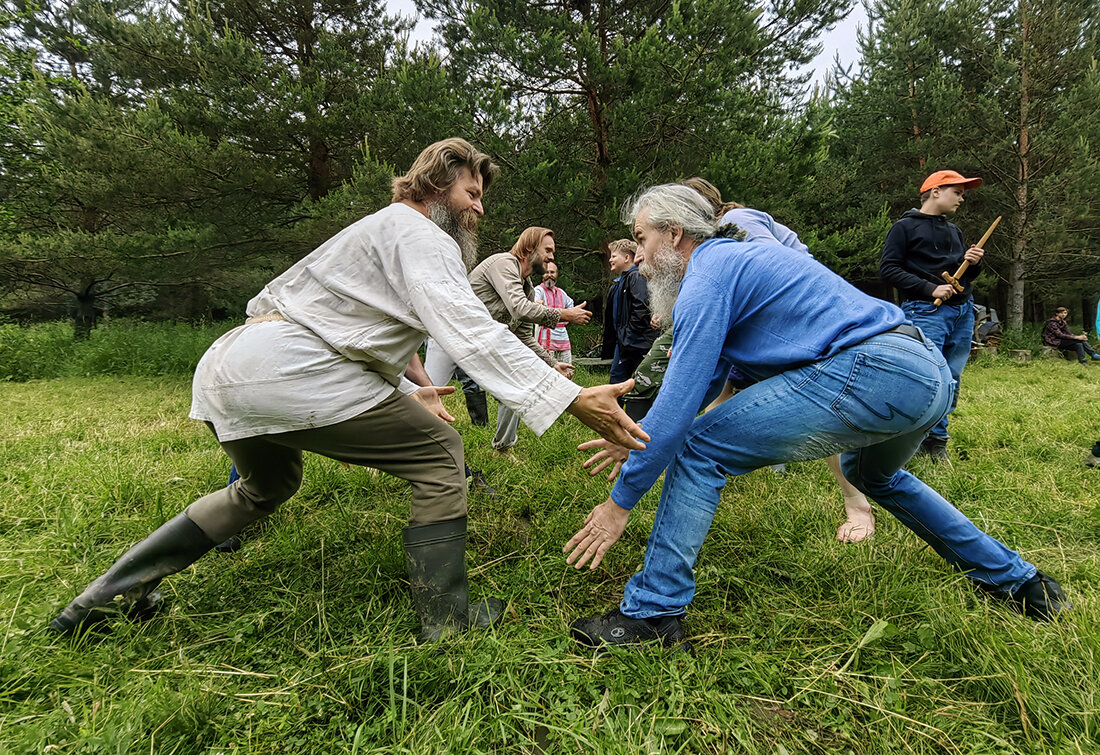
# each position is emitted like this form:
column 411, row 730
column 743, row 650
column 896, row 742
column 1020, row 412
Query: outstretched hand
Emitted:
column 609, row 453
column 602, row 529
column 565, row 369
column 597, row 407
column 428, row 397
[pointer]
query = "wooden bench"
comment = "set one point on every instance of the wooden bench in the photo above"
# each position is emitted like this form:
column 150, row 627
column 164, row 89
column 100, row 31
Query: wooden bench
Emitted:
column 592, row 363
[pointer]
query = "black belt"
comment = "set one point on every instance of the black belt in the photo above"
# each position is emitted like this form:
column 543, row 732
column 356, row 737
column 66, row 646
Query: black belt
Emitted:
column 908, row 330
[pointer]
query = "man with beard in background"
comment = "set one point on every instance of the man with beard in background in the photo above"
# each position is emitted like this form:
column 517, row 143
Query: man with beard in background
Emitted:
column 836, row 371
column 318, row 367
column 501, row 282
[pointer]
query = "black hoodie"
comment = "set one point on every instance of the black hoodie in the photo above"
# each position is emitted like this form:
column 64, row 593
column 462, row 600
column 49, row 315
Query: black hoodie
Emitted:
column 919, row 249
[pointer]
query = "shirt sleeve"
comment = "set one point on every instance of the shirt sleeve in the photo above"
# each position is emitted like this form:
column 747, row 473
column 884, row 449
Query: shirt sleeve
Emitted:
column 526, row 334
column 508, row 283
column 485, row 349
column 892, row 269
column 702, row 318
column 789, row 239
column 639, row 315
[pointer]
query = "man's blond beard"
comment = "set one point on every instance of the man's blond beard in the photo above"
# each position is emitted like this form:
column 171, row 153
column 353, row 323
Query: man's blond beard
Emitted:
column 460, row 226
column 663, row 277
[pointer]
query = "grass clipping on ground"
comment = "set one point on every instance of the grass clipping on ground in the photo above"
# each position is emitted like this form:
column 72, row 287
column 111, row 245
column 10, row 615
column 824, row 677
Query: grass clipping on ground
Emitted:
column 305, row 639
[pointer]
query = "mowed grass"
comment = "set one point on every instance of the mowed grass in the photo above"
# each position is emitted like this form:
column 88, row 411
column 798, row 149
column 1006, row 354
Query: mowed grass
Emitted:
column 304, row 641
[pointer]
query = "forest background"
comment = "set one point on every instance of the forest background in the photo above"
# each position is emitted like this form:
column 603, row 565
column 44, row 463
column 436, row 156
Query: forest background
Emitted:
column 163, row 159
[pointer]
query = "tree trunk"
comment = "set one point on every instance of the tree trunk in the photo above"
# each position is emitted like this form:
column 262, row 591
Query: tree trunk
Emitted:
column 1018, row 267
column 921, row 160
column 84, row 313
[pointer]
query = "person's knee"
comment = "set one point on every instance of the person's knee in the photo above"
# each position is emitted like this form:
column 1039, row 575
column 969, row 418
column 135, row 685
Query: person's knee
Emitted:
column 270, row 489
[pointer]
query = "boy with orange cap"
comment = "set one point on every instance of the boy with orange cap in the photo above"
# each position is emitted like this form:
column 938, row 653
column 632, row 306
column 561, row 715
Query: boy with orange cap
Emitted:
column 919, row 248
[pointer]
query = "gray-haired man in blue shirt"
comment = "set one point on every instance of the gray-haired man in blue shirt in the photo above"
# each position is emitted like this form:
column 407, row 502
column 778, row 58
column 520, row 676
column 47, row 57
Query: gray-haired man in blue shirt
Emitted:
column 837, row 371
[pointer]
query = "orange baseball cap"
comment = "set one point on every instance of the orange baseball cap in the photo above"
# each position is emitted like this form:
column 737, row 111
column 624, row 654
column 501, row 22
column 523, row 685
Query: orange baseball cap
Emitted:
column 949, row 178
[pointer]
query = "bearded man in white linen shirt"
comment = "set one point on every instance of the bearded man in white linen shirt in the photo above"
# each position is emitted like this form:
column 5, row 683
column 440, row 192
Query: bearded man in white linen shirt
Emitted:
column 318, row 367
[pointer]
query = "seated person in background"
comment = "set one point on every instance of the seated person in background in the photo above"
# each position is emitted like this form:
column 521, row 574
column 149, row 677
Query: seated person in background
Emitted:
column 1056, row 335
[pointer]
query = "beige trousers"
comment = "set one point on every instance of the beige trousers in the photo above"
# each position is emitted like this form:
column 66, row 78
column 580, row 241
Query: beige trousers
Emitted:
column 399, row 437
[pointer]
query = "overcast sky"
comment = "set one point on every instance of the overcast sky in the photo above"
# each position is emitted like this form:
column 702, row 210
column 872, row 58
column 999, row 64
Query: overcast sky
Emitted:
column 841, row 41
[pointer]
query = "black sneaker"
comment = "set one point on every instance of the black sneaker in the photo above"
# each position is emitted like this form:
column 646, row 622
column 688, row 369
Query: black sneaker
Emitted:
column 476, row 481
column 935, row 449
column 232, row 545
column 1040, row 598
column 615, row 628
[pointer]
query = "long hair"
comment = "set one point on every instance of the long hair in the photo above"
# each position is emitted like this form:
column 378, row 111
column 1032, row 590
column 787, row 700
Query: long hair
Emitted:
column 673, row 205
column 529, row 240
column 437, row 168
column 711, row 194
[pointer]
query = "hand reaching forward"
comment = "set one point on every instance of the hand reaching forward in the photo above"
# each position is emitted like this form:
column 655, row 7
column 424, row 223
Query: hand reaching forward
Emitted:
column 609, row 453
column 602, row 529
column 597, row 408
column 577, row 315
column 565, row 369
column 428, row 397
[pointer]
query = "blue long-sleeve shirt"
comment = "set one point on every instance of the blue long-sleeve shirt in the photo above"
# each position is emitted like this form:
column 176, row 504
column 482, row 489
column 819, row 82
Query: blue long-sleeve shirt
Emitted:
column 761, row 227
column 762, row 307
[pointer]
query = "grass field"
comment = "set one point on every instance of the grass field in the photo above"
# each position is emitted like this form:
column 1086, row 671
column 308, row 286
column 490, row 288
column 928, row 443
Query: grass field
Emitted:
column 304, row 641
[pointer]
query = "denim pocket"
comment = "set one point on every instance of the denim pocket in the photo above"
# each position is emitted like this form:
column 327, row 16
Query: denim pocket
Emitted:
column 914, row 307
column 882, row 396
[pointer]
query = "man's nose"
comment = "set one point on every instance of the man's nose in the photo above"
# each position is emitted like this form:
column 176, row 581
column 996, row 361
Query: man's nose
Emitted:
column 478, row 208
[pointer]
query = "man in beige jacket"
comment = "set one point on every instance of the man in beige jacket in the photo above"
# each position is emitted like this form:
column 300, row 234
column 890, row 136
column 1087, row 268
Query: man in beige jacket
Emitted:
column 502, row 283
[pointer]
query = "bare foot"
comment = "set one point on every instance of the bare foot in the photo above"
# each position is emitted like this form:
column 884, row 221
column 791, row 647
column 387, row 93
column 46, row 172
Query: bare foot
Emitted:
column 860, row 524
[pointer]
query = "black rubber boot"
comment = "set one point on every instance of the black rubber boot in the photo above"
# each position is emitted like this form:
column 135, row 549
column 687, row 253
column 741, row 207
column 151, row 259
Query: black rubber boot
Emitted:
column 127, row 588
column 935, row 449
column 436, row 558
column 478, row 408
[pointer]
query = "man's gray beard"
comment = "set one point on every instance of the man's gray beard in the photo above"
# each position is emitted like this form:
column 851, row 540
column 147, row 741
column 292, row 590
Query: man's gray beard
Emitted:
column 663, row 277
column 460, row 227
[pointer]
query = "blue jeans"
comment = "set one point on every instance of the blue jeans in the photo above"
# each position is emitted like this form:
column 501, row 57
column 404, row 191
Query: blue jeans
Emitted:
column 951, row 328
column 879, row 398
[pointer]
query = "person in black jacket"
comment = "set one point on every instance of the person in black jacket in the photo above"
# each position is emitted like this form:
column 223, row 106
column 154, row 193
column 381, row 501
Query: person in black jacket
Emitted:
column 919, row 248
column 629, row 308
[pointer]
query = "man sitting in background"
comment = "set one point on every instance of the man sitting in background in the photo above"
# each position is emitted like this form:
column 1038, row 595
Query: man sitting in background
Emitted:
column 1056, row 334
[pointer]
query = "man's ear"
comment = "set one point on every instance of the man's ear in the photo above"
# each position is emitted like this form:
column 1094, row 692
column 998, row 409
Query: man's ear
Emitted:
column 677, row 235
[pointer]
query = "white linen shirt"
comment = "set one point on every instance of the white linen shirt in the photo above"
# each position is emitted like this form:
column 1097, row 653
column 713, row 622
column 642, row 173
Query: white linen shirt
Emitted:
column 356, row 309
